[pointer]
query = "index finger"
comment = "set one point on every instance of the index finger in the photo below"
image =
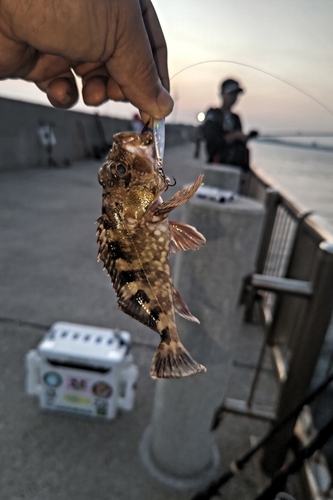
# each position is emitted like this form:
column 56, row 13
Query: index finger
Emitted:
column 132, row 64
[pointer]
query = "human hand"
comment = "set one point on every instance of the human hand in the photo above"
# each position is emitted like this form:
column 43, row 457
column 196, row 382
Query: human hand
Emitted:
column 235, row 136
column 116, row 46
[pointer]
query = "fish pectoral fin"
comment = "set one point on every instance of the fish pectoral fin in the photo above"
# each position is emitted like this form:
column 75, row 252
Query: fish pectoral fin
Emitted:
column 181, row 307
column 178, row 198
column 172, row 360
column 185, row 237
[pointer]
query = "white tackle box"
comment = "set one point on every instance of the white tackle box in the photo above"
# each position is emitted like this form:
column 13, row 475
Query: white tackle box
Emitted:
column 83, row 370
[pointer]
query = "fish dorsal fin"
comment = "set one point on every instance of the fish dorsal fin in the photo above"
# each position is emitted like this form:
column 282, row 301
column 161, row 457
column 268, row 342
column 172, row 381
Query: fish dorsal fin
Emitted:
column 184, row 237
column 163, row 210
column 181, row 307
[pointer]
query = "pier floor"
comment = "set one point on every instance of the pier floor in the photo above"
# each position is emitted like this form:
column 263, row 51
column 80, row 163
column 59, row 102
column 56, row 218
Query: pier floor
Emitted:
column 49, row 273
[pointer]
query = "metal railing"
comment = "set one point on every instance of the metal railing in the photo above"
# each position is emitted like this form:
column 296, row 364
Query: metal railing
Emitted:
column 292, row 291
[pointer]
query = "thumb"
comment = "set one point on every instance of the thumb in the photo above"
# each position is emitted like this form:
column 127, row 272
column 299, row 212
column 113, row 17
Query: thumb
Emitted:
column 133, row 68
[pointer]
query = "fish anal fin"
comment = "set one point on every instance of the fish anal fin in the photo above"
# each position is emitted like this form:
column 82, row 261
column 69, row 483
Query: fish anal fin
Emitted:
column 184, row 237
column 178, row 198
column 134, row 307
column 181, row 307
column 172, row 360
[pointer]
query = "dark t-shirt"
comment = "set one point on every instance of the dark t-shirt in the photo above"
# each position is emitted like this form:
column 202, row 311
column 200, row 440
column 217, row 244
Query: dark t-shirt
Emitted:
column 217, row 125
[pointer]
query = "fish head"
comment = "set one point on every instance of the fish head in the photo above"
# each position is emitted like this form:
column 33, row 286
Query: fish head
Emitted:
column 132, row 178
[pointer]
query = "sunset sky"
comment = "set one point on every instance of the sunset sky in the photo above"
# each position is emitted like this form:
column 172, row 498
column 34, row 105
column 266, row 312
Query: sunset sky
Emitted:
column 290, row 39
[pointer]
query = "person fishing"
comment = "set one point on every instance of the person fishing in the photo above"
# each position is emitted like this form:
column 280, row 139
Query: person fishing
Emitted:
column 225, row 140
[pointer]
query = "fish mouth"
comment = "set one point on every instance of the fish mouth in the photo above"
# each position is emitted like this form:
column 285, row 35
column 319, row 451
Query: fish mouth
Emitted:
column 142, row 144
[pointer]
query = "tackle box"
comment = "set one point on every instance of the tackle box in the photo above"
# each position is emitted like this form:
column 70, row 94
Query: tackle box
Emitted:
column 83, row 370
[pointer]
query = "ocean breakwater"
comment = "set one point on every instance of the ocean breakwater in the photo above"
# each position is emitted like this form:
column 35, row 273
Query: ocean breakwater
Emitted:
column 76, row 135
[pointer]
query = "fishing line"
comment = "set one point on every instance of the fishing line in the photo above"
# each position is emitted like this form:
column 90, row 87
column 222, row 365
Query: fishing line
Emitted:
column 261, row 71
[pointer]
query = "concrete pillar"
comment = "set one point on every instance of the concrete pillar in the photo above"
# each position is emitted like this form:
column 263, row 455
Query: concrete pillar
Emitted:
column 178, row 447
column 223, row 177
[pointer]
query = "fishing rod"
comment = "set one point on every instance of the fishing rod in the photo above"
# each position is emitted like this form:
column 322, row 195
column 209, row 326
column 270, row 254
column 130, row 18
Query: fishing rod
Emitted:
column 273, row 136
column 260, row 70
column 279, row 481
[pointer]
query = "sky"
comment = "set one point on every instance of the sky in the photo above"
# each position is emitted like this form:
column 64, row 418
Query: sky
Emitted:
column 281, row 52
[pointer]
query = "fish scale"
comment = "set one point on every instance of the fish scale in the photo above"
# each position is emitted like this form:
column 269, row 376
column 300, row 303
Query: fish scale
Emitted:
column 135, row 237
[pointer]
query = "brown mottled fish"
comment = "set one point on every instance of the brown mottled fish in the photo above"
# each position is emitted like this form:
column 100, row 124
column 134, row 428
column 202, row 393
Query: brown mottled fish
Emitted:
column 135, row 238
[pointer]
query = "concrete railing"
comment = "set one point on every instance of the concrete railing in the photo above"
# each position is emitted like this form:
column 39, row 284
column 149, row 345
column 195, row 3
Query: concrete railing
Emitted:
column 78, row 135
column 178, row 447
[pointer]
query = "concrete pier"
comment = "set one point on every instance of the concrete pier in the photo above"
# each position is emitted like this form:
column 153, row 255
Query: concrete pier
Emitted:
column 49, row 273
column 178, row 447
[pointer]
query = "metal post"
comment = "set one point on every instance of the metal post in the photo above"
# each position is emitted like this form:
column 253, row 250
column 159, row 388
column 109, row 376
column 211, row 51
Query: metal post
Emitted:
column 271, row 204
column 309, row 337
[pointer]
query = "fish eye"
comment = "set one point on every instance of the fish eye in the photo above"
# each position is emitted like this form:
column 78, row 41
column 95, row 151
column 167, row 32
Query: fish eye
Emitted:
column 121, row 170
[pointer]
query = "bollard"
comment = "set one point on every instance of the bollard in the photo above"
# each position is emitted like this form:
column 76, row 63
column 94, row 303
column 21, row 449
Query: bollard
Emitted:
column 223, row 177
column 178, row 447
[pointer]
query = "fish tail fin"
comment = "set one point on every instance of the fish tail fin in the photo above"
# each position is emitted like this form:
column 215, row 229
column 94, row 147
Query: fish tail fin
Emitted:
column 172, row 360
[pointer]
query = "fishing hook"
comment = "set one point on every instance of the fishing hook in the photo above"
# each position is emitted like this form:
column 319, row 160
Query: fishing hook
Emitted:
column 145, row 127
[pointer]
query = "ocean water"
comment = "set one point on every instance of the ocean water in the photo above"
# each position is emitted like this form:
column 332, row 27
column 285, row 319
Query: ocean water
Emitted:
column 305, row 175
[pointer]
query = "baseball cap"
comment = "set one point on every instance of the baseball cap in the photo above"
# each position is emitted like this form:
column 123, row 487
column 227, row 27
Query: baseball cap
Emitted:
column 230, row 86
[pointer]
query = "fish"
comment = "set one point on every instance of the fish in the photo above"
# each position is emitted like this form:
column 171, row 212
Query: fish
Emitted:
column 135, row 237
